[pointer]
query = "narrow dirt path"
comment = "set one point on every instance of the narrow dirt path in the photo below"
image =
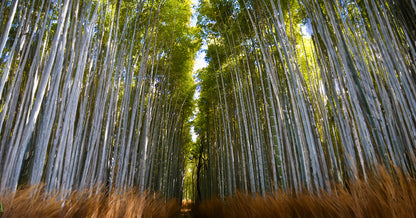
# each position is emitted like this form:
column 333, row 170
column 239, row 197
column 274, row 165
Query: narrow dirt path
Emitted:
column 185, row 212
column 186, row 209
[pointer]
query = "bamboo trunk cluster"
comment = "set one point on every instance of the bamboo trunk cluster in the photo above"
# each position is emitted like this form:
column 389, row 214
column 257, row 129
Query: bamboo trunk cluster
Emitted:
column 308, row 109
column 89, row 94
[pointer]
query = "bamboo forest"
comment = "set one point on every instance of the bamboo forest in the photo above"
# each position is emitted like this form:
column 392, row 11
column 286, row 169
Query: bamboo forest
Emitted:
column 209, row 108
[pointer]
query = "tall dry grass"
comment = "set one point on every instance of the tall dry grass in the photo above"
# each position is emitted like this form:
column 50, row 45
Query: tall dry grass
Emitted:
column 32, row 202
column 381, row 196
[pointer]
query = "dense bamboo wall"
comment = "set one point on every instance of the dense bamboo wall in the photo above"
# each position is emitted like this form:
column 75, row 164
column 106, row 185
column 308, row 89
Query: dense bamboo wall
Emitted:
column 308, row 94
column 90, row 94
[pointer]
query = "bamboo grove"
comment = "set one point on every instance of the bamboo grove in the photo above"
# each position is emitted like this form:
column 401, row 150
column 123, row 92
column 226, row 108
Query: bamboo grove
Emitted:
column 298, row 95
column 304, row 94
column 95, row 94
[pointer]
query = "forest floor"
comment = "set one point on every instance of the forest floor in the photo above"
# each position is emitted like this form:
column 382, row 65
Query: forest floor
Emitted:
column 186, row 209
column 185, row 213
column 34, row 202
column 381, row 195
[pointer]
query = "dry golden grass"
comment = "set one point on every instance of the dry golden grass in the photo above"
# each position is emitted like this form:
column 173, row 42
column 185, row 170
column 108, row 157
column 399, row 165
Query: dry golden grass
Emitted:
column 30, row 202
column 382, row 196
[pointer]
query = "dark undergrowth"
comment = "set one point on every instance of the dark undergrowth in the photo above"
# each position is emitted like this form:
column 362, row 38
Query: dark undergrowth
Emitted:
column 381, row 196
